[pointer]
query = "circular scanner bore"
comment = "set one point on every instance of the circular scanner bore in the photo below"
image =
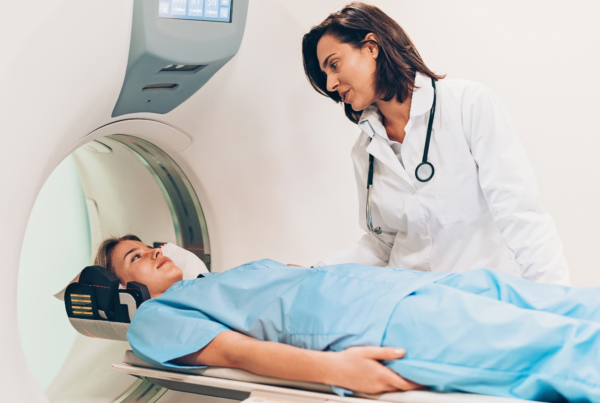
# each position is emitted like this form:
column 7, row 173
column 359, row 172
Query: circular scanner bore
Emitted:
column 111, row 186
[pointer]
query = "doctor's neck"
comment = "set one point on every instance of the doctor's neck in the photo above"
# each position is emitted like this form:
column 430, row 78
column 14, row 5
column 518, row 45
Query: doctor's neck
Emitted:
column 395, row 116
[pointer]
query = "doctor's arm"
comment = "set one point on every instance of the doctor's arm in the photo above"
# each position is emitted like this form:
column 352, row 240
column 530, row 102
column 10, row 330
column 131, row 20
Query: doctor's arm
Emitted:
column 357, row 368
column 511, row 191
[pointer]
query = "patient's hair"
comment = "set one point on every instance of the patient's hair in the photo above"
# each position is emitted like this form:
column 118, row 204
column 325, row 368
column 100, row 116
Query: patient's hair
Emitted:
column 104, row 255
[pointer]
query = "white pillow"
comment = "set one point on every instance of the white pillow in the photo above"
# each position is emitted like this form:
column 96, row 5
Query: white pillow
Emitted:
column 190, row 264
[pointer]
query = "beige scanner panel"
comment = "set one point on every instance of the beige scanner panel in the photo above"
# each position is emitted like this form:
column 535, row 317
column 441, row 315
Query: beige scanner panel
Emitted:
column 125, row 195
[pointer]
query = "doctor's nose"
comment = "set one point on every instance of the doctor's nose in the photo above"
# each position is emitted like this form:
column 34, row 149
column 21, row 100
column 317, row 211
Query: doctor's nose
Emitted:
column 332, row 83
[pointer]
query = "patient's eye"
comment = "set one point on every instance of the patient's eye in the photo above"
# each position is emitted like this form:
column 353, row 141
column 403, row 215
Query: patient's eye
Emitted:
column 135, row 257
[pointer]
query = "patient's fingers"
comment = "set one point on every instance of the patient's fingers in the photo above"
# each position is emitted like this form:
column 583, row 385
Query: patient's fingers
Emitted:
column 361, row 369
column 403, row 384
column 380, row 353
column 395, row 381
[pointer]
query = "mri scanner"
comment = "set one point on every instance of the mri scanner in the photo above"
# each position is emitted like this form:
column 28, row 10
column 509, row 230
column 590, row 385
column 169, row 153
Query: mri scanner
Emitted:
column 200, row 129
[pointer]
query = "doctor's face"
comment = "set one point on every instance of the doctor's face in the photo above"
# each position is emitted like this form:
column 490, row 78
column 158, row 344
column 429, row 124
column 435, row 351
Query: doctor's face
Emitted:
column 135, row 261
column 350, row 71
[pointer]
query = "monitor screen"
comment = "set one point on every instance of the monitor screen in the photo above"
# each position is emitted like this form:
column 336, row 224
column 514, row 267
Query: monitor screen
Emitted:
column 201, row 10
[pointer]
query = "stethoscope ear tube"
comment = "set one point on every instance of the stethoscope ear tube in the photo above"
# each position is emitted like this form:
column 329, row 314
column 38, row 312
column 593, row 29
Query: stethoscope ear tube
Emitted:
column 369, row 217
column 369, row 184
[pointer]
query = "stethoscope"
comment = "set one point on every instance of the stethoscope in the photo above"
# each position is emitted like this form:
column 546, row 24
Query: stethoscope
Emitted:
column 424, row 171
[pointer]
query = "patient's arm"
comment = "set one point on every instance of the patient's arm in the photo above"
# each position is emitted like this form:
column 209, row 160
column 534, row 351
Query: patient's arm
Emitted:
column 357, row 368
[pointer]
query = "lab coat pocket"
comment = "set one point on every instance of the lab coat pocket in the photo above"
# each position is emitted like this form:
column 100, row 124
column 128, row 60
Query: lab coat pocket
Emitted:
column 458, row 192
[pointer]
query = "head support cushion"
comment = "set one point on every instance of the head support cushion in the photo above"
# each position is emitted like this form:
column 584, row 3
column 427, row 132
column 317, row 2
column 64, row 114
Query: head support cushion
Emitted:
column 96, row 296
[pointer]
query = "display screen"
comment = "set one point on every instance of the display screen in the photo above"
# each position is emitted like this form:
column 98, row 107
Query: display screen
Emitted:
column 201, row 10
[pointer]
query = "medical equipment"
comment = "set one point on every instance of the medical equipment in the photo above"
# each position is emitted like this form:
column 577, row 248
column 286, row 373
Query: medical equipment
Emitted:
column 97, row 307
column 217, row 11
column 170, row 58
column 238, row 385
column 424, row 171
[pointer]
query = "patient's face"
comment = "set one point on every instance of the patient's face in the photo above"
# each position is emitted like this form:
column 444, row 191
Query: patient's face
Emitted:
column 135, row 261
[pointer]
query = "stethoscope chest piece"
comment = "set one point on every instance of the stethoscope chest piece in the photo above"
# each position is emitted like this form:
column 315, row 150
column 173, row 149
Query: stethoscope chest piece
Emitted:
column 424, row 172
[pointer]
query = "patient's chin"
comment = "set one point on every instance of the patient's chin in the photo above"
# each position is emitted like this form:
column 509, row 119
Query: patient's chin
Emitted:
column 175, row 275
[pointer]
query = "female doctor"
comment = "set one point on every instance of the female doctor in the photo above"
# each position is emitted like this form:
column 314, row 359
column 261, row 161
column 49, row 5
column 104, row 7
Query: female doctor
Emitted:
column 444, row 183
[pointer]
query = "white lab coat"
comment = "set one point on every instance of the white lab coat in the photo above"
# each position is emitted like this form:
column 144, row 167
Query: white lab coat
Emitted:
column 482, row 207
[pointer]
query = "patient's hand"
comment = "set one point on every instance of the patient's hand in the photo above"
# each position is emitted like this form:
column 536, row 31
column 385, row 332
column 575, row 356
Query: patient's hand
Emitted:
column 359, row 369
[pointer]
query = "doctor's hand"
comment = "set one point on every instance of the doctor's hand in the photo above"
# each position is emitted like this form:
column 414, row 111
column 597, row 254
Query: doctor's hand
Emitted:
column 359, row 369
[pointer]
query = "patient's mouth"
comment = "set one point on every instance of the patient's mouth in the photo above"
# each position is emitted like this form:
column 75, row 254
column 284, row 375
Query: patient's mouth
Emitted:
column 161, row 264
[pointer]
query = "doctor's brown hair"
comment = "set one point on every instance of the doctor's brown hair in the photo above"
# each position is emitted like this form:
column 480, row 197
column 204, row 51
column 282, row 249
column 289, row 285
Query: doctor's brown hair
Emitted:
column 104, row 255
column 397, row 62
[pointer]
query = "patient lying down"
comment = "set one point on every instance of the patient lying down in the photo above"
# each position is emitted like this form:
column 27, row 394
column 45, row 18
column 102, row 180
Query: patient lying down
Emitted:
column 349, row 325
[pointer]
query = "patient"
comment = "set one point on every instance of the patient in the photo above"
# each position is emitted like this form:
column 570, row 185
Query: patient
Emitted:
column 481, row 331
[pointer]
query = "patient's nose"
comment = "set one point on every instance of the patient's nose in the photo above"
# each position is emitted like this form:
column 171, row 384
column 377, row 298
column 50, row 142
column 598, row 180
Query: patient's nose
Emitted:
column 156, row 253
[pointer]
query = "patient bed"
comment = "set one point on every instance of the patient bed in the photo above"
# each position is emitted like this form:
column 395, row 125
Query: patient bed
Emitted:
column 98, row 308
column 239, row 385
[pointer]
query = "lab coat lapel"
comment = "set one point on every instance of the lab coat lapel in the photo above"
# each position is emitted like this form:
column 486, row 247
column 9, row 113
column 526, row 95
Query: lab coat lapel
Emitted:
column 381, row 150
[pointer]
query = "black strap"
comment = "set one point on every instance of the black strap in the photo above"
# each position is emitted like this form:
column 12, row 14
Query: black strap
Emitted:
column 430, row 125
column 370, row 180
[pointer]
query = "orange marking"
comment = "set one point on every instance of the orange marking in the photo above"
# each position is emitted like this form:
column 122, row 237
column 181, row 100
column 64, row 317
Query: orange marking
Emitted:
column 91, row 335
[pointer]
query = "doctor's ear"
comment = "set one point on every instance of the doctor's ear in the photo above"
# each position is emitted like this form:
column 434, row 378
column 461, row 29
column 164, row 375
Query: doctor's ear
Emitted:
column 371, row 44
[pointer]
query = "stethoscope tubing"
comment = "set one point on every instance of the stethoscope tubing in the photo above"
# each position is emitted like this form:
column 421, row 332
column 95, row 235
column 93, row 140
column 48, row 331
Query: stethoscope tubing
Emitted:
column 369, row 184
column 430, row 124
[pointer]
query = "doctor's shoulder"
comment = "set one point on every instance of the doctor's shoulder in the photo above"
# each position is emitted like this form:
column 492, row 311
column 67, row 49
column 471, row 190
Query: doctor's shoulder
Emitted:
column 467, row 93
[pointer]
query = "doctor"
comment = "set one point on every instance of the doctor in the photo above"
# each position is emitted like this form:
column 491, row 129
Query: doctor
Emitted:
column 452, row 189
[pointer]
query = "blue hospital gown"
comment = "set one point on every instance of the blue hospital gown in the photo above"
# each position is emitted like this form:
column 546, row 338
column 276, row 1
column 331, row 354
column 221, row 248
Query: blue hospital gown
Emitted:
column 481, row 332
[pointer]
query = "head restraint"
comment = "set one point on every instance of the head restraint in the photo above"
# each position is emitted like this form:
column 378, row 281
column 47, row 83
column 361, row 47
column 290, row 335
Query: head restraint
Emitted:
column 98, row 308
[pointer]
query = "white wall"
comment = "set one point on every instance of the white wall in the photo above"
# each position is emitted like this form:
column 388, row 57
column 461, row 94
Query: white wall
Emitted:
column 270, row 157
